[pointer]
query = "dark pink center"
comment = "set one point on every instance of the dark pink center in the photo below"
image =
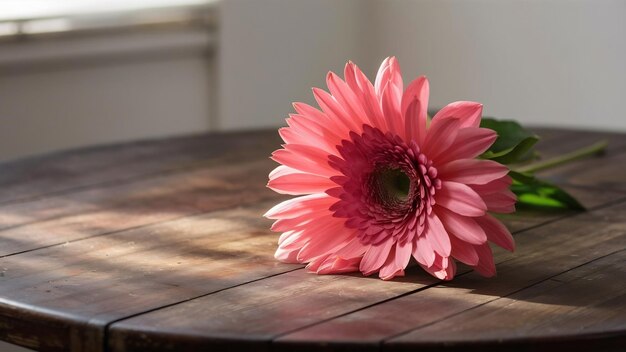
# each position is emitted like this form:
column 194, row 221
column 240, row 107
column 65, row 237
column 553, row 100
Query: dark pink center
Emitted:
column 387, row 187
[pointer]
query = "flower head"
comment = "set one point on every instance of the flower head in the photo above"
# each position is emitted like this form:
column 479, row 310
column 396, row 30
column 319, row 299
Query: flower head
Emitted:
column 378, row 183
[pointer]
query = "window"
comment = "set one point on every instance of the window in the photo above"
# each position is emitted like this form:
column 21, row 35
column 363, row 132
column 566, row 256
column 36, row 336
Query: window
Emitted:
column 32, row 17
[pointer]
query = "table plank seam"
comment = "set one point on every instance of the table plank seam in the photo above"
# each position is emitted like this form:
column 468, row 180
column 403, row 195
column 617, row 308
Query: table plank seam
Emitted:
column 233, row 154
column 157, row 175
column 550, row 221
column 191, row 166
column 459, row 274
column 191, row 215
column 585, row 187
column 590, row 187
column 164, row 174
column 223, row 209
column 262, row 199
column 608, row 204
column 196, row 165
column 157, row 274
column 277, row 336
column 104, row 185
column 386, row 339
column 565, row 216
column 108, row 325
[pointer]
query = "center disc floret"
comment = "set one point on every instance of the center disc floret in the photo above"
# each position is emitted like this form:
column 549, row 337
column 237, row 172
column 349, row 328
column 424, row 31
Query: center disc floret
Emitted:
column 387, row 188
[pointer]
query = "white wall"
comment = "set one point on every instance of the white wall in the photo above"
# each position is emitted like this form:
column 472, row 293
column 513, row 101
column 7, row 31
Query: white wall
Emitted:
column 78, row 91
column 553, row 62
column 273, row 51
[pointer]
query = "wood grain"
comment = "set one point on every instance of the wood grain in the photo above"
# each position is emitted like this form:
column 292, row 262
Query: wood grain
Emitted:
column 161, row 245
column 269, row 308
column 603, row 172
column 36, row 177
column 591, row 198
column 202, row 181
column 540, row 255
column 108, row 210
column 84, row 285
column 578, row 310
column 553, row 142
column 51, row 219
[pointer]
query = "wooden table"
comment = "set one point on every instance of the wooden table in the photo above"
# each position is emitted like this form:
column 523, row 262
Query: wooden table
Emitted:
column 161, row 245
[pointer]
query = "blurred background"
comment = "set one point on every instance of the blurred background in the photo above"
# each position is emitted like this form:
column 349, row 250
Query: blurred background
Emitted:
column 76, row 73
column 85, row 72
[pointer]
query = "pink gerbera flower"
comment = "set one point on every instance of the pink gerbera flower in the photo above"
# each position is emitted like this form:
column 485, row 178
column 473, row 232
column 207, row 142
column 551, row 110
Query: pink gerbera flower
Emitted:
column 378, row 183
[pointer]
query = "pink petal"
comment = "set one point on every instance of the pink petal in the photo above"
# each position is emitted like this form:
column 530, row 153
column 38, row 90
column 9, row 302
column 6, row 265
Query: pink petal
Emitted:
column 462, row 227
column 382, row 76
column 450, row 270
column 391, row 109
column 501, row 202
column 368, row 96
column 460, row 199
column 375, row 257
column 304, row 130
column 443, row 268
column 309, row 111
column 287, row 255
column 346, row 98
column 496, row 232
column 300, row 183
column 322, row 230
column 389, row 89
column 317, row 262
column 335, row 265
column 305, row 158
column 463, row 251
column 472, row 171
column 289, row 236
column 389, row 71
column 353, row 249
column 390, row 268
column 349, row 74
column 437, row 235
column 345, row 265
column 414, row 107
column 437, row 272
column 403, row 254
column 493, row 186
column 282, row 170
column 291, row 137
column 300, row 205
column 281, row 225
column 334, row 110
column 423, row 252
column 314, row 239
column 326, row 241
column 312, row 221
column 440, row 137
column 293, row 240
column 389, row 271
column 486, row 267
column 292, row 160
column 469, row 143
column 468, row 113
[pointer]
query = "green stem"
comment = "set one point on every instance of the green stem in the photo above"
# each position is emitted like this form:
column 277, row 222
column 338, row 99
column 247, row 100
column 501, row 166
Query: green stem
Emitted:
column 596, row 148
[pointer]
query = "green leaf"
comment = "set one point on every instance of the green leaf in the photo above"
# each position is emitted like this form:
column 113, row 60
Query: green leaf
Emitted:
column 532, row 192
column 514, row 143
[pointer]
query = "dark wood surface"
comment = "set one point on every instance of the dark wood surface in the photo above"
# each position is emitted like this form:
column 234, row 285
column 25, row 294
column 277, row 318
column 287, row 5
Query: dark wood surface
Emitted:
column 161, row 245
